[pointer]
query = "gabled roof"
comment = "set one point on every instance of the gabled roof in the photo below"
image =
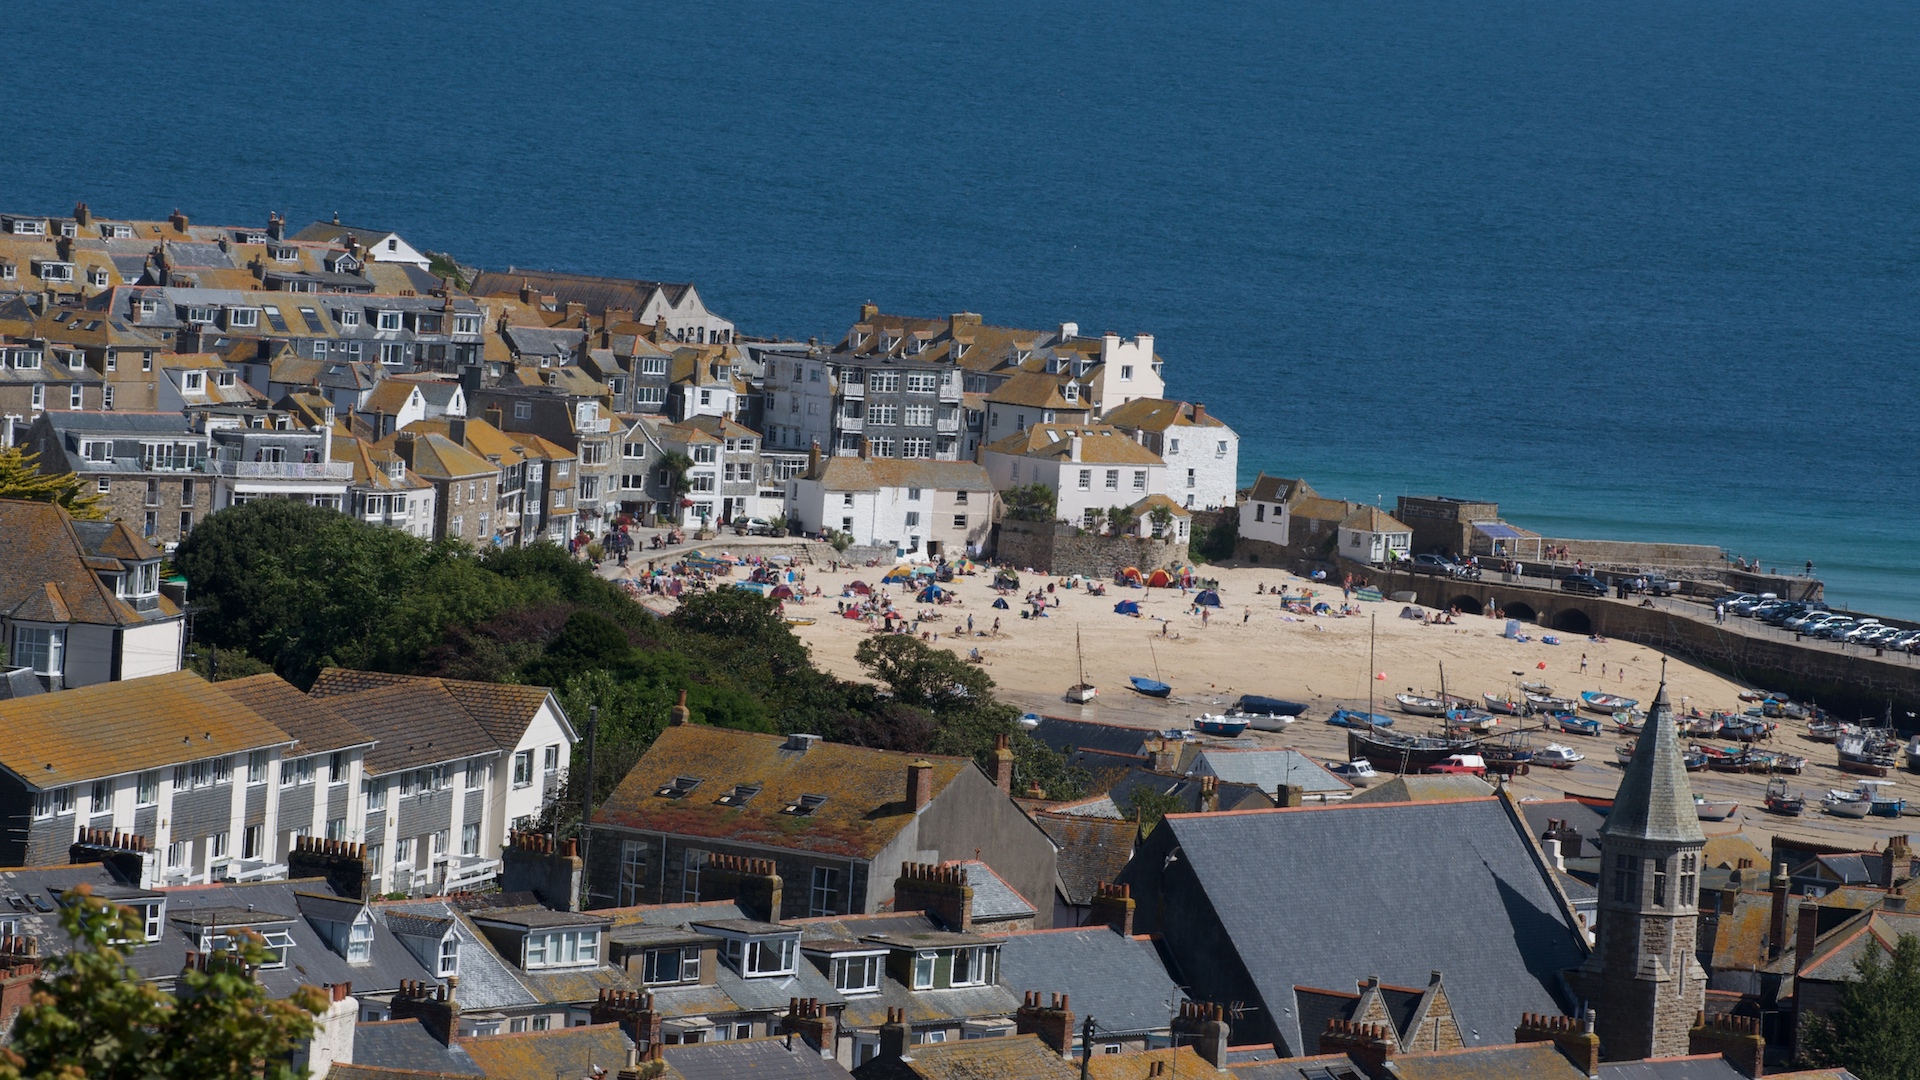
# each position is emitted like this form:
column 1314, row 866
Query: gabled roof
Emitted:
column 1374, row 520
column 1418, row 788
column 407, row 1045
column 1118, row 980
column 436, row 457
column 1035, row 390
column 1278, row 489
column 1836, row 955
column 1093, row 851
column 597, row 294
column 48, row 576
column 874, row 474
column 313, row 722
column 1013, row 1057
column 112, row 728
column 420, row 720
column 1269, row 769
column 559, row 1052
column 752, row 1059
column 865, row 791
column 391, row 396
column 1159, row 414
column 1100, row 444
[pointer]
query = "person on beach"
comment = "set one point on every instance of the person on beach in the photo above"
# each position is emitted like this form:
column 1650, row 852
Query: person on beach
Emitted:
column 1246, row 616
column 1583, row 663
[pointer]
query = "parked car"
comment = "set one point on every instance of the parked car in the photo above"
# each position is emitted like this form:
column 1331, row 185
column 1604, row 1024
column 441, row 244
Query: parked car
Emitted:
column 1660, row 584
column 1746, row 604
column 1781, row 615
column 752, row 526
column 1434, row 564
column 1583, row 583
column 1862, row 629
column 1835, row 629
column 1812, row 615
column 1814, row 622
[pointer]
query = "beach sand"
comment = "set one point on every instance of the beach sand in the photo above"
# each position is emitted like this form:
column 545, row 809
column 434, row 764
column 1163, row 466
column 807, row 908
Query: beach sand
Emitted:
column 1251, row 645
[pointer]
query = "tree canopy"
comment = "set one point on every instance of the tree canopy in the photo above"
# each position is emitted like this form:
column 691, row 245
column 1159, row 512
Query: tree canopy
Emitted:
column 1875, row 1033
column 21, row 478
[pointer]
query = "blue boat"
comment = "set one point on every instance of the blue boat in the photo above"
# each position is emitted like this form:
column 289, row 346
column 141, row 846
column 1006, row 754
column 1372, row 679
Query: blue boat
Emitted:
column 1578, row 725
column 1354, row 718
column 1224, row 726
column 1256, row 705
column 1149, row 687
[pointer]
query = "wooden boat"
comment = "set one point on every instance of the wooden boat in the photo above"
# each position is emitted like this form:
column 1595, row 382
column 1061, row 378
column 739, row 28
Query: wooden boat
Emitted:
column 1694, row 762
column 1547, row 703
column 1846, row 804
column 1358, row 772
column 1261, row 721
column 1083, row 691
column 1353, row 718
column 1705, row 727
column 1627, row 723
column 1460, row 722
column 1226, row 727
column 1556, row 756
column 1605, row 704
column 1747, row 731
column 1394, row 752
column 1881, row 801
column 1506, row 706
column 1029, row 721
column 1827, row 731
column 1783, row 802
column 1712, row 810
column 1420, row 706
column 1625, row 751
column 1577, row 725
column 1864, row 756
column 1255, row 705
column 1512, row 755
column 1149, row 687
column 1539, row 688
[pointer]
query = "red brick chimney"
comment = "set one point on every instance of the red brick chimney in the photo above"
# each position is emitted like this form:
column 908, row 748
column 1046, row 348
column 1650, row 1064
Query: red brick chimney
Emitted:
column 679, row 714
column 1574, row 1038
column 1199, row 413
column 1371, row 1046
column 940, row 891
column 1777, row 924
column 19, row 971
column 919, row 784
column 342, row 863
column 1053, row 1022
column 1209, row 794
column 895, row 1035
column 754, row 884
column 1806, row 932
column 1894, row 861
column 1113, row 905
column 1003, row 764
column 1736, row 1038
column 809, row 1019
column 633, row 1011
column 179, row 222
column 429, row 1003
column 1203, row 1026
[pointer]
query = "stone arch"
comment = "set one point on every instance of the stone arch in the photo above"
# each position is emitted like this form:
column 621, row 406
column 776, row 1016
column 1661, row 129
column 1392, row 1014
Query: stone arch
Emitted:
column 1468, row 605
column 1515, row 609
column 1573, row 621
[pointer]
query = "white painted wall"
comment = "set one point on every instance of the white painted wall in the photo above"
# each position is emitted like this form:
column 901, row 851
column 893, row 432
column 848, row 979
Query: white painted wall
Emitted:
column 1264, row 521
column 153, row 649
column 1071, row 500
column 1203, row 469
column 1372, row 547
column 1129, row 372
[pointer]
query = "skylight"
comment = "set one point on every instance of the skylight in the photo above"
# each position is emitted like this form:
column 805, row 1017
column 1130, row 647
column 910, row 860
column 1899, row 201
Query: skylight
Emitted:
column 805, row 805
column 681, row 787
column 739, row 796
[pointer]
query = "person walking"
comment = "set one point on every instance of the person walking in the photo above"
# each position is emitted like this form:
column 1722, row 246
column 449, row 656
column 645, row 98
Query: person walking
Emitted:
column 969, row 624
column 1245, row 616
column 1583, row 663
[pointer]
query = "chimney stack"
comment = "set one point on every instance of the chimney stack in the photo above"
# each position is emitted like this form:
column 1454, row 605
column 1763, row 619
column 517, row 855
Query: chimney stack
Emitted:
column 457, row 430
column 1113, row 905
column 1895, row 861
column 19, row 972
column 940, row 891
column 1735, row 1038
column 1806, row 932
column 754, row 884
column 431, row 1004
column 809, row 1019
column 343, row 864
column 1209, row 794
column 533, row 862
column 919, row 782
column 1053, row 1022
column 1575, row 1038
column 1203, row 1026
column 1777, row 924
column 679, row 714
column 895, row 1036
column 633, row 1011
column 1003, row 763
column 179, row 222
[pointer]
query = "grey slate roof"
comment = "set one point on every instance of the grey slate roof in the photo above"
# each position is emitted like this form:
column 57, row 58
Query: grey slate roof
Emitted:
column 760, row 1059
column 993, row 898
column 18, row 682
column 1119, row 981
column 1686, row 1068
column 1185, row 789
column 1322, row 896
column 486, row 981
column 1268, row 769
column 405, row 1044
column 1060, row 734
column 1655, row 801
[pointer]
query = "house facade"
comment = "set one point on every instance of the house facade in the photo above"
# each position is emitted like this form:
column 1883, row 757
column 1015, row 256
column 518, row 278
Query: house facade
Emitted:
column 1202, row 454
column 920, row 509
column 147, row 468
column 1089, row 468
column 1371, row 535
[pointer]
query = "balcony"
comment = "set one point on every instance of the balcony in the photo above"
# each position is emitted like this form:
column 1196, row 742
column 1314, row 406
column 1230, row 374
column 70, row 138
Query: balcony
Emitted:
column 850, row 423
column 282, row 470
column 950, row 391
column 950, row 426
column 593, row 427
column 853, row 391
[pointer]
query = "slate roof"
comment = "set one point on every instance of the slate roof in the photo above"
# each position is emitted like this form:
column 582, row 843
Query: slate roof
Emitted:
column 1585, row 819
column 1837, row 952
column 1522, row 1061
column 1186, row 790
column 405, row 1044
column 1061, row 734
column 1269, row 769
column 48, row 577
column 1425, row 789
column 1014, row 1057
column 1119, row 981
column 1315, row 1067
column 865, row 791
column 596, row 293
column 1092, row 851
column 560, row 1052
column 313, row 722
column 1455, row 887
column 120, row 727
column 486, row 980
column 753, row 1059
column 1655, row 801
column 1692, row 1067
column 993, row 898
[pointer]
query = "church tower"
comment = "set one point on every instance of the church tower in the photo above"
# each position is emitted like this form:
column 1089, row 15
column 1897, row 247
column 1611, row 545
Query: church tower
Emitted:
column 1642, row 980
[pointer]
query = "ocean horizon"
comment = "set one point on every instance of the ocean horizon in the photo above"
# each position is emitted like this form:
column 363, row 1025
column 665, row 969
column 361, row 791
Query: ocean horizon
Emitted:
column 1631, row 270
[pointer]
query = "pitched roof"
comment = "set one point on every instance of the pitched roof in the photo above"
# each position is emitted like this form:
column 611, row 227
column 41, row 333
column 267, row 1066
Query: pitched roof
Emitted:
column 47, row 576
column 754, row 1059
column 406, row 1044
column 1315, row 508
column 1034, row 389
column 1100, row 444
column 1269, row 769
column 420, row 720
column 1455, row 887
column 1426, row 789
column 865, row 790
column 1014, row 1057
column 1159, row 414
column 314, row 723
column 1690, row 1067
column 1372, row 519
column 120, row 727
column 597, row 294
column 1116, row 979
column 559, row 1052
column 1061, row 734
column 1275, row 489
column 1655, row 800
column 872, row 474
column 1093, row 850
column 993, row 898
column 1514, row 1061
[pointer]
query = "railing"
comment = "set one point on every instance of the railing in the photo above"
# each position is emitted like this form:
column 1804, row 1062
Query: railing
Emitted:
column 853, row 391
column 948, row 427
column 593, row 427
column 282, row 470
column 949, row 392
column 850, row 423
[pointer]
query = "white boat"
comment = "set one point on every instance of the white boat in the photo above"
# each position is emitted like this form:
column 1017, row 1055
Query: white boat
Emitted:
column 1913, row 754
column 1556, row 756
column 1846, row 804
column 1358, row 772
column 1710, row 810
column 1029, row 721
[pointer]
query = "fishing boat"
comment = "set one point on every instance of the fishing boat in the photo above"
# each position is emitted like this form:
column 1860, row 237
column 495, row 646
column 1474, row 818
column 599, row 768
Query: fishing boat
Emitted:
column 1749, row 730
column 1082, row 692
column 1358, row 772
column 1714, row 810
column 1353, row 718
column 1605, row 704
column 1395, row 752
column 1556, row 756
column 1577, row 725
column 1786, row 763
column 1827, row 731
column 1629, row 723
column 1029, row 721
column 1705, row 727
column 1255, row 705
column 1865, row 755
column 1226, row 727
column 1506, row 706
column 1149, row 687
column 1420, row 706
column 1881, row 801
column 1694, row 761
column 1512, row 755
column 1783, row 802
column 1625, row 751
column 1537, row 688
column 1786, row 710
column 1847, row 804
column 1460, row 720
column 1547, row 703
column 1913, row 754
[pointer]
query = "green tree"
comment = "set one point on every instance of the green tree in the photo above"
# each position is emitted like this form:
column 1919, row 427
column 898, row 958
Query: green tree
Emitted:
column 1033, row 502
column 21, row 478
column 677, row 466
column 1148, row 806
column 93, row 1015
column 1119, row 521
column 1217, row 542
column 1875, row 1033
column 1162, row 518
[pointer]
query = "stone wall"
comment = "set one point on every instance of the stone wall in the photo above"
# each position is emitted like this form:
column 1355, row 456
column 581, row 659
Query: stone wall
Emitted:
column 1062, row 549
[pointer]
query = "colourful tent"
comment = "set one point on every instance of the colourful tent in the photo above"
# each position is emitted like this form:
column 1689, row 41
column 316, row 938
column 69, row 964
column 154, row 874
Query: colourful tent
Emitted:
column 1209, row 597
column 1159, row 579
column 782, row 592
column 1129, row 576
column 931, row 593
column 1127, row 607
column 903, row 572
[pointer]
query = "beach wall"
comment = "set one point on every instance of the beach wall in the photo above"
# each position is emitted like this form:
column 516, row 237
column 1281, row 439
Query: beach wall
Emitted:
column 1053, row 548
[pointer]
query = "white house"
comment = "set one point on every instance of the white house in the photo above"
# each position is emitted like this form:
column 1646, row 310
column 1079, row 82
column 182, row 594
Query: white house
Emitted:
column 1264, row 512
column 1127, row 370
column 1089, row 467
column 1371, row 535
column 1202, row 453
column 919, row 508
column 1034, row 397
column 379, row 245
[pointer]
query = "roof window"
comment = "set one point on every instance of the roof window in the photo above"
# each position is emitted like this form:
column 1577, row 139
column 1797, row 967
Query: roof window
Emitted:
column 681, row 787
column 739, row 796
column 805, row 805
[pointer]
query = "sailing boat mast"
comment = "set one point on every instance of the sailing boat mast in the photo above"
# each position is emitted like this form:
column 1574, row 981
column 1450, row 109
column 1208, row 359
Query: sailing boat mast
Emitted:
column 1373, row 627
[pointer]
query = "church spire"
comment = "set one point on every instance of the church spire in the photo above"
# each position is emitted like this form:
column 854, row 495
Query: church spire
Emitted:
column 1655, row 801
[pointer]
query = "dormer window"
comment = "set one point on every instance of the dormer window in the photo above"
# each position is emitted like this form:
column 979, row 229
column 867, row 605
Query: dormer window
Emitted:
column 681, row 787
column 200, row 315
column 858, row 974
column 193, row 380
column 449, row 955
column 242, row 317
column 253, row 237
column 96, row 275
column 29, row 227
column 284, row 253
column 805, row 805
column 53, row 271
column 762, row 957
column 466, row 324
column 347, row 317
column 562, row 948
column 740, row 795
column 1071, row 391
column 680, row 964
column 389, row 320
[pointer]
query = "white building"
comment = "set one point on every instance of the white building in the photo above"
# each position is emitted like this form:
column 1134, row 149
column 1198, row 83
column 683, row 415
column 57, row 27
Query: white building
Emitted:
column 1264, row 512
column 921, row 509
column 287, row 463
column 378, row 245
column 1201, row 452
column 1371, row 535
column 1089, row 467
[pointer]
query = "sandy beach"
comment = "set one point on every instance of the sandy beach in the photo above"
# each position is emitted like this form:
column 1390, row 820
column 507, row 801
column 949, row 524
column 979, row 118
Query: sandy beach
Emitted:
column 1252, row 645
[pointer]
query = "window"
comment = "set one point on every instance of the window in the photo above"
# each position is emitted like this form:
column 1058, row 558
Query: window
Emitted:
column 562, row 948
column 763, row 956
column 857, row 974
column 476, row 774
column 470, row 838
column 690, row 866
column 42, row 649
column 39, row 396
column 48, row 803
column 438, row 846
column 1626, row 879
column 1659, row 883
column 178, row 853
column 193, row 380
column 923, row 969
column 337, row 828
column 376, row 793
column 883, row 415
column 913, row 519
column 1191, row 478
column 1126, row 372
column 336, row 768
column 633, row 450
column 1113, row 479
column 678, row 965
column 257, row 767
column 633, row 873
column 100, row 800
column 824, row 898
column 219, row 845
column 103, row 485
column 393, row 354
column 375, row 853
column 973, row 966
column 1086, row 479
column 550, row 762
column 243, row 317
column 1139, row 479
column 250, row 841
column 146, row 790
column 450, row 955
column 883, row 382
column 74, row 399
column 922, row 382
column 918, row 416
column 916, row 448
column 1220, row 449
column 1689, row 868
column 199, row 775
column 960, row 521
column 523, row 768
column 222, row 770
column 360, row 941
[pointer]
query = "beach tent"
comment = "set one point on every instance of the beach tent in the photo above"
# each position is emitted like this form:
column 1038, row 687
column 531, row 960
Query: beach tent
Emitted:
column 782, row 592
column 860, row 588
column 1159, row 579
column 1129, row 576
column 931, row 593
column 754, row 586
column 903, row 572
column 965, row 566
column 852, row 613
column 1209, row 597
column 1127, row 607
column 923, row 571
column 1001, row 603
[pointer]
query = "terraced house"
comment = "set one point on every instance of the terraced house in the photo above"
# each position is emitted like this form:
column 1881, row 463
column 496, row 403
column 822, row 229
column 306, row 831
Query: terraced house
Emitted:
column 147, row 468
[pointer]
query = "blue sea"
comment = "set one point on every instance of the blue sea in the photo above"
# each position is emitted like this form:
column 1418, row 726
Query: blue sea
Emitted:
column 1631, row 268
